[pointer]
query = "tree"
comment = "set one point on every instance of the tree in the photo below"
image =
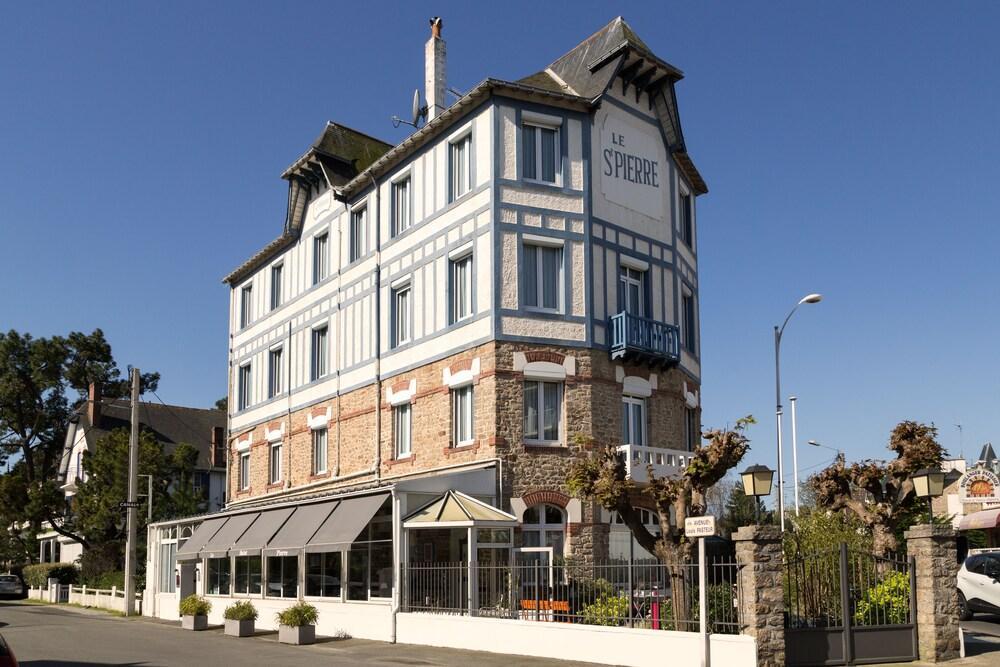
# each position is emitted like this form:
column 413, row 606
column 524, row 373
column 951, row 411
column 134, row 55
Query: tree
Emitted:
column 603, row 477
column 881, row 495
column 222, row 404
column 184, row 501
column 37, row 378
column 742, row 510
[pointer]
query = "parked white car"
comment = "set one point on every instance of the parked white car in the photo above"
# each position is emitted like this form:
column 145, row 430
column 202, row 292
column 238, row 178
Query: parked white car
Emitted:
column 979, row 584
column 11, row 586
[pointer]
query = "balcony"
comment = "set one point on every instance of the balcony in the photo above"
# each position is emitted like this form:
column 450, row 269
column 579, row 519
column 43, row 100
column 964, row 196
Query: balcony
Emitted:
column 665, row 462
column 642, row 340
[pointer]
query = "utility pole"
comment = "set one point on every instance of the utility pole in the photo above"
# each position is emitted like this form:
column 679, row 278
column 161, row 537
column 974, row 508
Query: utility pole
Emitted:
column 133, row 484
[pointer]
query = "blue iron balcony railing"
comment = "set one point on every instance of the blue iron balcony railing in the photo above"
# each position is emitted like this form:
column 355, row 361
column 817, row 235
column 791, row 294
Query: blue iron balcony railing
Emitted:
column 643, row 339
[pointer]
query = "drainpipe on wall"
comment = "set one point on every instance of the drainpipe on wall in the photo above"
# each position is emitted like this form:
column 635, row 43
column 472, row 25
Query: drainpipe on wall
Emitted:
column 397, row 555
column 378, row 333
column 340, row 316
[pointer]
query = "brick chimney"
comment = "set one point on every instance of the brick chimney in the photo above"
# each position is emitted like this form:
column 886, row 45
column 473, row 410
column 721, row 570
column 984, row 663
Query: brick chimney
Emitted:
column 94, row 403
column 434, row 70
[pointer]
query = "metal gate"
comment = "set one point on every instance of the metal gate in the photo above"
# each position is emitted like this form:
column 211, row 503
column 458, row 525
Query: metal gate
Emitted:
column 848, row 608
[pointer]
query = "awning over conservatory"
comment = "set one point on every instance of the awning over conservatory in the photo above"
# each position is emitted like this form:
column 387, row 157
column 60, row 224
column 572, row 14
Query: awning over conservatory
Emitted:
column 980, row 520
column 201, row 535
column 456, row 510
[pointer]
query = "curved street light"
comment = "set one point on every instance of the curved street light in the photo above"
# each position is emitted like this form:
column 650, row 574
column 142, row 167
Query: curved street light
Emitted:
column 778, row 332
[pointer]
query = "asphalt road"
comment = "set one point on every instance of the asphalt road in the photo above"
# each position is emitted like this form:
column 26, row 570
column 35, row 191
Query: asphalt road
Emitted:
column 48, row 636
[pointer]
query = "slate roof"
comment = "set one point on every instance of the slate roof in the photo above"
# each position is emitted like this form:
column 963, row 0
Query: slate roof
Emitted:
column 987, row 455
column 170, row 425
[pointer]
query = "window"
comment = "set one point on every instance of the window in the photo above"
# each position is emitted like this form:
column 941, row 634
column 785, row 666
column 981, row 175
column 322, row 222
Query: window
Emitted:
column 274, row 372
column 276, row 286
column 544, row 526
column 540, row 153
column 687, row 308
column 359, row 232
column 687, row 220
column 460, row 167
column 633, row 420
column 692, row 429
column 323, row 574
column 460, row 288
column 401, row 433
column 317, row 364
column 632, row 291
column 542, row 411
column 247, row 575
column 319, row 451
column 369, row 562
column 218, row 576
column 274, row 465
column 282, row 576
column 244, row 471
column 400, row 315
column 461, row 411
column 401, row 206
column 542, row 276
column 651, row 520
column 246, row 303
column 168, row 561
column 321, row 257
column 243, row 387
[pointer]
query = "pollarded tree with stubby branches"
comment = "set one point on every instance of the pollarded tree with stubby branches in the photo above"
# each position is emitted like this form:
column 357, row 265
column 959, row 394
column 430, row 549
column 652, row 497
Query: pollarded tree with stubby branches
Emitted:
column 881, row 494
column 603, row 477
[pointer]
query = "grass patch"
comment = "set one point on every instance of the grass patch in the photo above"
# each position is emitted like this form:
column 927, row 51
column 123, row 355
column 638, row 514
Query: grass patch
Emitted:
column 110, row 612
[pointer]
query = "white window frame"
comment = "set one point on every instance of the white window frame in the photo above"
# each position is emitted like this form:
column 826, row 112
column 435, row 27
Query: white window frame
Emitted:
column 460, row 310
column 246, row 305
column 319, row 356
column 244, row 471
column 456, row 189
column 634, row 402
column 274, row 374
column 321, row 257
column 402, row 294
column 274, row 463
column 627, row 280
column 402, row 430
column 244, row 389
column 692, row 429
column 358, row 232
column 402, row 207
column 540, row 410
column 542, row 527
column 686, row 213
column 689, row 336
column 537, row 125
column 277, row 285
column 458, row 421
column 320, row 449
column 537, row 246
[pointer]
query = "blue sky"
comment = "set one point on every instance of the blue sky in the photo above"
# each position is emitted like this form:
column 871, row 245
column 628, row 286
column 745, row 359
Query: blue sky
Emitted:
column 849, row 149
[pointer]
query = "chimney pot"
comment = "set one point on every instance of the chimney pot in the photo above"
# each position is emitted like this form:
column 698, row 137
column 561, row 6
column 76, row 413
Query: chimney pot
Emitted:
column 94, row 403
column 434, row 70
column 436, row 25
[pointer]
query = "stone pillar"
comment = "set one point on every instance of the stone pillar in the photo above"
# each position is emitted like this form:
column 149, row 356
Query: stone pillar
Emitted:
column 934, row 550
column 761, row 597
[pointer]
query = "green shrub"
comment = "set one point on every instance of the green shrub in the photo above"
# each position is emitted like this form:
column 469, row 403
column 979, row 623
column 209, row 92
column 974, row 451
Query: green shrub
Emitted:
column 606, row 610
column 887, row 603
column 240, row 611
column 37, row 576
column 105, row 580
column 298, row 615
column 195, row 605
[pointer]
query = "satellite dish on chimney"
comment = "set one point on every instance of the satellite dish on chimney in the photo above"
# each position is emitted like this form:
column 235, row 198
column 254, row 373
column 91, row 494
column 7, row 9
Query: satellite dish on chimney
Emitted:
column 417, row 111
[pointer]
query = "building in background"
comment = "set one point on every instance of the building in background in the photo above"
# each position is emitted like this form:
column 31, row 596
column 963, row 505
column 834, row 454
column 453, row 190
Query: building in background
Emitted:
column 444, row 326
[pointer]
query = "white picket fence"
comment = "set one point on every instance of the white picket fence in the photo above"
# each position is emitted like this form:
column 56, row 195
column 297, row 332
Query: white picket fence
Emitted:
column 101, row 598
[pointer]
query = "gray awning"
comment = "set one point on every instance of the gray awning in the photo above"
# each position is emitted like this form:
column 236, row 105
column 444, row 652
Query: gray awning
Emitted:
column 218, row 545
column 345, row 524
column 260, row 532
column 201, row 535
column 298, row 529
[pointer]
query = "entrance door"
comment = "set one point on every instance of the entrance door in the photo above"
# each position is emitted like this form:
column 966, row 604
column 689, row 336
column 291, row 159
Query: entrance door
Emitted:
column 187, row 579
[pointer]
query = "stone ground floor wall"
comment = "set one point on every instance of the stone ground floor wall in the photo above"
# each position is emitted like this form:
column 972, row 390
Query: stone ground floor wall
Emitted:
column 566, row 641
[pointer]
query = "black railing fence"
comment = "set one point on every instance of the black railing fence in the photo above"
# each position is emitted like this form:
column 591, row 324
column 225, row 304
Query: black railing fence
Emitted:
column 612, row 593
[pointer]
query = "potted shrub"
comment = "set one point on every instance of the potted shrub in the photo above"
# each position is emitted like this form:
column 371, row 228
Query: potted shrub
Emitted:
column 194, row 612
column 297, row 624
column 239, row 618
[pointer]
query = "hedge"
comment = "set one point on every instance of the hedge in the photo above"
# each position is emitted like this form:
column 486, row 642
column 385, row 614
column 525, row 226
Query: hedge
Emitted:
column 37, row 576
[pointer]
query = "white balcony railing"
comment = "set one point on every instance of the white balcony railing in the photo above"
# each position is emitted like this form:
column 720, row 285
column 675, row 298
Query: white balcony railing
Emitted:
column 665, row 462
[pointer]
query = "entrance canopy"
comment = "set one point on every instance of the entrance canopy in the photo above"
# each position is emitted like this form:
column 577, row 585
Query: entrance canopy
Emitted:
column 980, row 520
column 456, row 510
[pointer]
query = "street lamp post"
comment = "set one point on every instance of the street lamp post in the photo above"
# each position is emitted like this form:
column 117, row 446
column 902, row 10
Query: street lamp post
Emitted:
column 149, row 498
column 757, row 481
column 928, row 483
column 778, row 331
column 840, row 454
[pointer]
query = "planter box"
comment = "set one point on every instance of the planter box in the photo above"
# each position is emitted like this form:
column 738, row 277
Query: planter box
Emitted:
column 236, row 628
column 194, row 622
column 303, row 634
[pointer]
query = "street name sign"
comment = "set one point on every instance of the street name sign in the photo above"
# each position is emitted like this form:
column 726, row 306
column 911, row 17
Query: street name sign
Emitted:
column 125, row 504
column 699, row 526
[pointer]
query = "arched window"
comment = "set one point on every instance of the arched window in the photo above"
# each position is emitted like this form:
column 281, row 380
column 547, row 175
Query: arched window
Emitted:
column 544, row 526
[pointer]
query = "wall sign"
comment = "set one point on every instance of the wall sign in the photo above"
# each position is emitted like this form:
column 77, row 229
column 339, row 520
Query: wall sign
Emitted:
column 979, row 486
column 632, row 171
